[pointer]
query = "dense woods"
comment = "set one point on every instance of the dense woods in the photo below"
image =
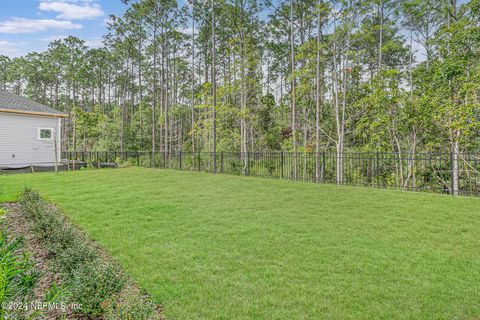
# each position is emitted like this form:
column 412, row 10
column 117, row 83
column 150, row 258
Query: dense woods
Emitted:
column 256, row 75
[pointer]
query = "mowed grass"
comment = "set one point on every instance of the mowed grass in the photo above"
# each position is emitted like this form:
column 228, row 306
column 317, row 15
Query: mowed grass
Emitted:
column 224, row 247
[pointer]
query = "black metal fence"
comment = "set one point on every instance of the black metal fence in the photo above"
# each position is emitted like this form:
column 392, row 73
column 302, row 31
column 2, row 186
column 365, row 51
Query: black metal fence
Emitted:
column 428, row 172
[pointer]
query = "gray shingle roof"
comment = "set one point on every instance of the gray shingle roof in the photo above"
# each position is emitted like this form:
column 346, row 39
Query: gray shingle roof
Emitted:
column 13, row 102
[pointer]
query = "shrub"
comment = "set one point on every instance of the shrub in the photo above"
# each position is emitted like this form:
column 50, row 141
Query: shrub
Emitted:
column 91, row 280
column 134, row 308
column 17, row 275
column 93, row 284
column 70, row 258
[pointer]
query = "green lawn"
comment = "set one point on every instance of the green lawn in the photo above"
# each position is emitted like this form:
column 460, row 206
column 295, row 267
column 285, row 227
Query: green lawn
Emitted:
column 224, row 247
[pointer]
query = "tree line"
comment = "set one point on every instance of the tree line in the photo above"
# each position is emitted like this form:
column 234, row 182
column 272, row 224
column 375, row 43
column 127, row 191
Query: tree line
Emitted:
column 260, row 75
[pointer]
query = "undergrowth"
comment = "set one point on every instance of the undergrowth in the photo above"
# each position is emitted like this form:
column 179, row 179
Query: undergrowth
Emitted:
column 93, row 281
column 17, row 275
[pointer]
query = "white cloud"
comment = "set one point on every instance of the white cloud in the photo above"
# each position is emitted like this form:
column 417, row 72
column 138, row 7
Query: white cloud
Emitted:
column 12, row 49
column 94, row 43
column 53, row 38
column 68, row 10
column 22, row 25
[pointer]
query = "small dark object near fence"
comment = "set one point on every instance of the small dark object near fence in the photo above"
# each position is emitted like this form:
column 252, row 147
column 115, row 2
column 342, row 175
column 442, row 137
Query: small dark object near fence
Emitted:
column 65, row 165
column 76, row 165
column 79, row 164
column 428, row 172
column 11, row 169
column 104, row 165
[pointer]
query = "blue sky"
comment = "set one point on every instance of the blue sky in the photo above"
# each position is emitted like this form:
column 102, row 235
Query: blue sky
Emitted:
column 29, row 25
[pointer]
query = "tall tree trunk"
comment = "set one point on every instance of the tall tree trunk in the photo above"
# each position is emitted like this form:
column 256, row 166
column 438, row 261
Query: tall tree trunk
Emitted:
column 193, row 82
column 162, row 97
column 341, row 136
column 380, row 36
column 243, row 105
column 214, row 92
column 319, row 94
column 166, row 98
column 338, row 117
column 140, row 92
column 455, row 134
column 293, row 93
column 154, row 105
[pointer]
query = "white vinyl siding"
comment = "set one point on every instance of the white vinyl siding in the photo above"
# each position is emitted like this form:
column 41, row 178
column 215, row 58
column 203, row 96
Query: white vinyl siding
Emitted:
column 19, row 143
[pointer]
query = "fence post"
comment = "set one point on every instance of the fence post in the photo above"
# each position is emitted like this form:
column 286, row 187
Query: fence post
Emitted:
column 180, row 159
column 199, row 163
column 193, row 161
column 221, row 162
column 452, row 193
column 324, row 165
column 281, row 164
column 454, row 172
column 377, row 166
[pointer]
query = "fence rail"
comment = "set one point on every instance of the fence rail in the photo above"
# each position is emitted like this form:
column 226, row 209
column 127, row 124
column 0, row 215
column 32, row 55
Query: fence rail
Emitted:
column 428, row 172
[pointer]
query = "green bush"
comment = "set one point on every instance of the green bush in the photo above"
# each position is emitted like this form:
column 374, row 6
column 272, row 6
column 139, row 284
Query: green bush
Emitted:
column 93, row 284
column 69, row 259
column 91, row 281
column 17, row 274
column 135, row 308
column 62, row 240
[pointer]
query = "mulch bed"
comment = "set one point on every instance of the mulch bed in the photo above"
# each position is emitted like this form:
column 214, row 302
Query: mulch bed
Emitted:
column 18, row 226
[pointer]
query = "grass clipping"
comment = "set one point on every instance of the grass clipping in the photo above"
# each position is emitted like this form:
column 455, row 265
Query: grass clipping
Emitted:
column 89, row 277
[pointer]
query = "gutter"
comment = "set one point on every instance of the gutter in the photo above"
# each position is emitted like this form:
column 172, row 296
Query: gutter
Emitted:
column 35, row 113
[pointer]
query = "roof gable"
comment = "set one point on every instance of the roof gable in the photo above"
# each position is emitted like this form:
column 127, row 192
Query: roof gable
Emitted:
column 12, row 103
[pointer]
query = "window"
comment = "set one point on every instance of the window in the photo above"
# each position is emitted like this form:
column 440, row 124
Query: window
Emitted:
column 45, row 133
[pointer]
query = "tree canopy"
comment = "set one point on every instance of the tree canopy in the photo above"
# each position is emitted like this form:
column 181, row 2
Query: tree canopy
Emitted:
column 256, row 75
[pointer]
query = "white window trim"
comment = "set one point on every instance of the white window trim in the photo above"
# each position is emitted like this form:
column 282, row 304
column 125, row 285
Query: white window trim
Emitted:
column 43, row 139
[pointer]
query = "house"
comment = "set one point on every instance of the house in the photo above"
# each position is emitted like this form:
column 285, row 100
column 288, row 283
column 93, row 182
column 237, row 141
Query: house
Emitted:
column 30, row 133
